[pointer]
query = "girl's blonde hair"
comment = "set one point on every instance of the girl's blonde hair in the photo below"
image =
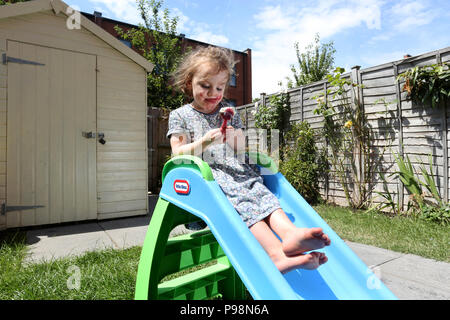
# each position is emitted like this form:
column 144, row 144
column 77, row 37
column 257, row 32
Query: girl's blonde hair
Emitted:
column 221, row 58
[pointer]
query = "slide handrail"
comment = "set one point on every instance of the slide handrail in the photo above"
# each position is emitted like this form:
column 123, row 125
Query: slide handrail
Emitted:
column 197, row 163
column 188, row 161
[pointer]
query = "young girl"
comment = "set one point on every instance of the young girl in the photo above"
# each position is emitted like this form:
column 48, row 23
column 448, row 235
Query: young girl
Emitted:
column 195, row 129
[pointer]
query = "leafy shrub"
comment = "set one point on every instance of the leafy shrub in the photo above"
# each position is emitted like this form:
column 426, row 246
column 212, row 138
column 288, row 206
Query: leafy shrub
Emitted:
column 303, row 164
column 270, row 115
column 418, row 206
column 427, row 84
column 440, row 215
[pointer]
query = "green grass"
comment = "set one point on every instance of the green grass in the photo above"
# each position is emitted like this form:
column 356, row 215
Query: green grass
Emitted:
column 111, row 274
column 108, row 274
column 401, row 234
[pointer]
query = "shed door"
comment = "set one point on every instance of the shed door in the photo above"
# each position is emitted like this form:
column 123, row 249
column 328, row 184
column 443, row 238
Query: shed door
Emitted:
column 49, row 162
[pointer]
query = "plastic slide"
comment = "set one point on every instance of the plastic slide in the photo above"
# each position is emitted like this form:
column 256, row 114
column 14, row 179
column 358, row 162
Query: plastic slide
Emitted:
column 188, row 185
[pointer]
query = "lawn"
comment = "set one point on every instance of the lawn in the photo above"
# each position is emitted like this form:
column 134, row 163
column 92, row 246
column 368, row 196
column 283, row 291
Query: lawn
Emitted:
column 111, row 274
column 401, row 234
column 104, row 275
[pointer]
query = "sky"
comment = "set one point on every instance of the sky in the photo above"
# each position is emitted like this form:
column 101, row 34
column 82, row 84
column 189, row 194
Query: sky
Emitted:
column 364, row 32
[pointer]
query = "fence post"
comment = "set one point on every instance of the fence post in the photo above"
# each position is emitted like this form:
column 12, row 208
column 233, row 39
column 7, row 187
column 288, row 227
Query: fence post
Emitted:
column 400, row 132
column 246, row 118
column 302, row 117
column 356, row 100
column 445, row 147
column 327, row 177
column 443, row 106
column 152, row 142
column 444, row 130
column 262, row 99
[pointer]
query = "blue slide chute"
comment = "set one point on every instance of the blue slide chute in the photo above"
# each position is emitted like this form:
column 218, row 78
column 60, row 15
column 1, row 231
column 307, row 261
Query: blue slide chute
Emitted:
column 344, row 276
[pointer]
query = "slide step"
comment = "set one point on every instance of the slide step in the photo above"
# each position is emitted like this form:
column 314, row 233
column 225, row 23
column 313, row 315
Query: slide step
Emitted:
column 197, row 285
column 186, row 251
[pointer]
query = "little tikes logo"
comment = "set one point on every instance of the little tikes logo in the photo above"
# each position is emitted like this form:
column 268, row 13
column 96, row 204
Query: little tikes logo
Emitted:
column 181, row 186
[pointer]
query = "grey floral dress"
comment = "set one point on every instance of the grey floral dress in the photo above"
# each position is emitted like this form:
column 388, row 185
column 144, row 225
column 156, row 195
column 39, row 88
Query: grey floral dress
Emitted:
column 240, row 181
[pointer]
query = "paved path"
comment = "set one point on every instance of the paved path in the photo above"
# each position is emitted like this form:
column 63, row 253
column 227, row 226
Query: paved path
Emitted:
column 408, row 276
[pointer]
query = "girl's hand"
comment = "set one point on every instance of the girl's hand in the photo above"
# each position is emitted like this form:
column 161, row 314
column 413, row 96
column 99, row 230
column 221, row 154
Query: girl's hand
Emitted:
column 213, row 136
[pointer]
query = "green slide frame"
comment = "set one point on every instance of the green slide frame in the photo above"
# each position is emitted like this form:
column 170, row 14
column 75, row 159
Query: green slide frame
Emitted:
column 162, row 256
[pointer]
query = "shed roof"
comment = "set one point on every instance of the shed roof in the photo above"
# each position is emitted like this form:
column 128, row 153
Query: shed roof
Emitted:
column 58, row 6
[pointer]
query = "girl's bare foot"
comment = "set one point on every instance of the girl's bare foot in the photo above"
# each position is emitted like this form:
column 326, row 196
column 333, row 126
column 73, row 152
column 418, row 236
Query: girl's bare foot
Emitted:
column 309, row 261
column 318, row 259
column 304, row 239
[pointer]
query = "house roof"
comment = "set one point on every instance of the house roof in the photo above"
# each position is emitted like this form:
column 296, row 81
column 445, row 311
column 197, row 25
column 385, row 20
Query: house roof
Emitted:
column 58, row 6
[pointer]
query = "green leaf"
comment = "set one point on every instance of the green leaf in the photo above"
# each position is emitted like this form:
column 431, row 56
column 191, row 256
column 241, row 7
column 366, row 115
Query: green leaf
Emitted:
column 407, row 176
column 429, row 183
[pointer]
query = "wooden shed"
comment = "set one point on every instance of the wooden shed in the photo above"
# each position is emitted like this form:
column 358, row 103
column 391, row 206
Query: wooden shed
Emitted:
column 73, row 119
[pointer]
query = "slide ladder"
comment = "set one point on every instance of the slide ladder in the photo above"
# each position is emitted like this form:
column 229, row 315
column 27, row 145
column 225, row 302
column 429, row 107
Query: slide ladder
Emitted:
column 162, row 256
column 226, row 259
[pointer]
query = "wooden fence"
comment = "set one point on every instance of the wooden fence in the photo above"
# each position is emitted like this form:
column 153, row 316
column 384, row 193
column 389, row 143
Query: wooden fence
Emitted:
column 158, row 147
column 399, row 125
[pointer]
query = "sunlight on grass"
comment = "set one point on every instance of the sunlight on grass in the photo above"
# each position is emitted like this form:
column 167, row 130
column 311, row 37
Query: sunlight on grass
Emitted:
column 399, row 234
column 111, row 274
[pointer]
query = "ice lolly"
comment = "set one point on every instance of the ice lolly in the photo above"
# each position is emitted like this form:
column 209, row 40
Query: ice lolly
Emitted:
column 226, row 113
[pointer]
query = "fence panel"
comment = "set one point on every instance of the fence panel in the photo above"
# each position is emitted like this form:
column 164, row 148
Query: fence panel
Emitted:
column 397, row 125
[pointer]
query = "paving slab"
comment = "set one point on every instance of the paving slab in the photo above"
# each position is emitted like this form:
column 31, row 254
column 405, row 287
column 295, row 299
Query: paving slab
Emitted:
column 68, row 240
column 126, row 232
column 408, row 276
column 57, row 242
column 412, row 277
column 373, row 256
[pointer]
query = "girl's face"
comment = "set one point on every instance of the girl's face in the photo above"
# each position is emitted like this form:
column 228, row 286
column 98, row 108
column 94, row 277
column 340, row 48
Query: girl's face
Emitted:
column 208, row 88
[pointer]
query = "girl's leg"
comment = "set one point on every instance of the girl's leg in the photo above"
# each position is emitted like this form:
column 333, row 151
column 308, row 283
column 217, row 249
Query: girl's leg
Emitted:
column 274, row 249
column 296, row 240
